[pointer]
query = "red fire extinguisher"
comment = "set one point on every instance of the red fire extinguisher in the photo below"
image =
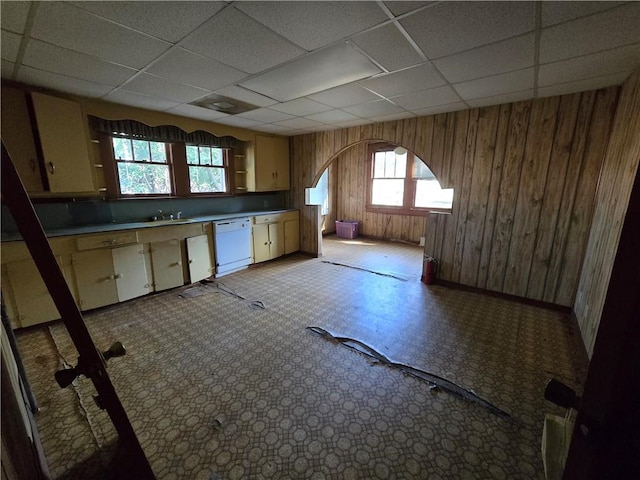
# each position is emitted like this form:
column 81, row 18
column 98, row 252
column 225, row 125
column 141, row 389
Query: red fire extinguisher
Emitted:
column 429, row 268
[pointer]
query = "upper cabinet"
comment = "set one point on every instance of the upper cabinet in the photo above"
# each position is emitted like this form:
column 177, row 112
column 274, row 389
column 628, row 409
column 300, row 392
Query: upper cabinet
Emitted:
column 47, row 140
column 65, row 149
column 267, row 164
column 17, row 137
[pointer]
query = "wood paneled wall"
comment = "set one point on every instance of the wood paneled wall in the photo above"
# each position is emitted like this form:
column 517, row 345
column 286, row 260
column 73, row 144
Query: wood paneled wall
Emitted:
column 524, row 175
column 616, row 181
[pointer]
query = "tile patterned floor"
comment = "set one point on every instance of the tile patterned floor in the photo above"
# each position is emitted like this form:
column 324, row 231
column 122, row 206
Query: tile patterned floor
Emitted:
column 219, row 389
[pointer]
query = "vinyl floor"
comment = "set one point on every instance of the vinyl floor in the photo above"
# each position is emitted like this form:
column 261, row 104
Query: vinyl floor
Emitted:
column 224, row 380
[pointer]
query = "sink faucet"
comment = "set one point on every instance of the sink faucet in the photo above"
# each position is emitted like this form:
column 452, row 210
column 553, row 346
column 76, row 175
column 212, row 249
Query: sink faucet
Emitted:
column 179, row 215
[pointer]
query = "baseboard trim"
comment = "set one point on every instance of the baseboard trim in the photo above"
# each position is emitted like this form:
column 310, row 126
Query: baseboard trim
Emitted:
column 506, row 296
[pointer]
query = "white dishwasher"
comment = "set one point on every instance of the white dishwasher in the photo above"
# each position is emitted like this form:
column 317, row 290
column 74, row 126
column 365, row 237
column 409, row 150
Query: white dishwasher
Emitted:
column 232, row 245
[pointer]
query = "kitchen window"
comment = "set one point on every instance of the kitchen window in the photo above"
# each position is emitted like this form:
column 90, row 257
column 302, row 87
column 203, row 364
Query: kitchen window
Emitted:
column 142, row 166
column 401, row 183
column 208, row 169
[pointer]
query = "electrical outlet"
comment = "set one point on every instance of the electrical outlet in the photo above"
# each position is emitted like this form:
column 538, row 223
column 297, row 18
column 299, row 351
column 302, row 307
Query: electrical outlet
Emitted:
column 265, row 203
column 422, row 241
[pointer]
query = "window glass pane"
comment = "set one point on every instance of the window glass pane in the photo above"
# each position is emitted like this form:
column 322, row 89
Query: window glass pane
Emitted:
column 207, row 179
column 430, row 195
column 141, row 151
column 192, row 155
column 158, row 152
column 217, row 157
column 401, row 166
column 420, row 170
column 387, row 192
column 140, row 178
column 378, row 165
column 122, row 148
column 205, row 156
column 389, row 164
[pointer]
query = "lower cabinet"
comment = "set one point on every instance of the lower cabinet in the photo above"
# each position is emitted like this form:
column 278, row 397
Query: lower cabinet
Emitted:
column 166, row 262
column 291, row 236
column 267, row 241
column 31, row 298
column 199, row 255
column 108, row 276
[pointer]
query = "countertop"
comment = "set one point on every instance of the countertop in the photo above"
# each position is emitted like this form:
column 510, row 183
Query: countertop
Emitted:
column 112, row 227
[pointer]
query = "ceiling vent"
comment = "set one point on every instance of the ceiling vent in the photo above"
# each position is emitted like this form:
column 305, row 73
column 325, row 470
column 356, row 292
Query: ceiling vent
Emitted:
column 227, row 105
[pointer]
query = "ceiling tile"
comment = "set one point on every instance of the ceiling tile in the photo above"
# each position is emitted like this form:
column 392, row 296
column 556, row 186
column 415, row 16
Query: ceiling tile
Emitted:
column 78, row 65
column 352, row 123
column 392, row 116
column 299, row 123
column 344, row 96
column 624, row 59
column 583, row 85
column 508, row 55
column 40, row 78
column 13, row 15
column 496, row 85
column 236, row 121
column 452, row 27
column 265, row 115
column 332, row 116
column 500, row 99
column 6, row 68
column 259, row 49
column 151, row 17
column 410, row 80
column 554, row 12
column 271, row 128
column 192, row 111
column 614, row 28
column 388, row 47
column 374, row 109
column 138, row 100
column 10, row 44
column 301, row 107
column 400, row 7
column 244, row 95
column 332, row 21
column 449, row 107
column 427, row 98
column 320, row 128
column 70, row 27
column 164, row 88
column 193, row 69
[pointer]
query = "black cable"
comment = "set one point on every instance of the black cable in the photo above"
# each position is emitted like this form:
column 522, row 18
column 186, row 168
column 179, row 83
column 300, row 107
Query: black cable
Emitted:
column 430, row 378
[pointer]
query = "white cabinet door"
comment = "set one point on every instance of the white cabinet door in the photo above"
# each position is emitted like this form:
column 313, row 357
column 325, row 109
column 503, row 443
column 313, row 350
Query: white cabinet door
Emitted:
column 166, row 261
column 95, row 278
column 130, row 272
column 61, row 128
column 199, row 254
column 291, row 236
column 32, row 300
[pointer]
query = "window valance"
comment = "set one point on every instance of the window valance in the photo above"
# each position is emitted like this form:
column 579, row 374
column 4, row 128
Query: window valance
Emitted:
column 161, row 133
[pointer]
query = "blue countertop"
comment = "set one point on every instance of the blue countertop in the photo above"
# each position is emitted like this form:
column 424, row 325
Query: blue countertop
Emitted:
column 111, row 227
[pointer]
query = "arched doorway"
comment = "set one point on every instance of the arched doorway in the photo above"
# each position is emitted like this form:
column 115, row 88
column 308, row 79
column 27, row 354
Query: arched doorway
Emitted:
column 388, row 189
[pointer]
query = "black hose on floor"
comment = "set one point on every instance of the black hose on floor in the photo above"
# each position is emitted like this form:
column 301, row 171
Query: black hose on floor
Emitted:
column 430, row 378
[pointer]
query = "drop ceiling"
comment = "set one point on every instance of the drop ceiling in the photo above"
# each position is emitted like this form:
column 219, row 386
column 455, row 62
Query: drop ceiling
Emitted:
column 310, row 66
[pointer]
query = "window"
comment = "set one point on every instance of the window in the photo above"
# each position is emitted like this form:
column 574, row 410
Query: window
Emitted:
column 207, row 169
column 399, row 182
column 142, row 166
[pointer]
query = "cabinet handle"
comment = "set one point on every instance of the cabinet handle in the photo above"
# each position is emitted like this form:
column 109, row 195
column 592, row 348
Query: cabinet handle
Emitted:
column 266, row 243
column 52, row 168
